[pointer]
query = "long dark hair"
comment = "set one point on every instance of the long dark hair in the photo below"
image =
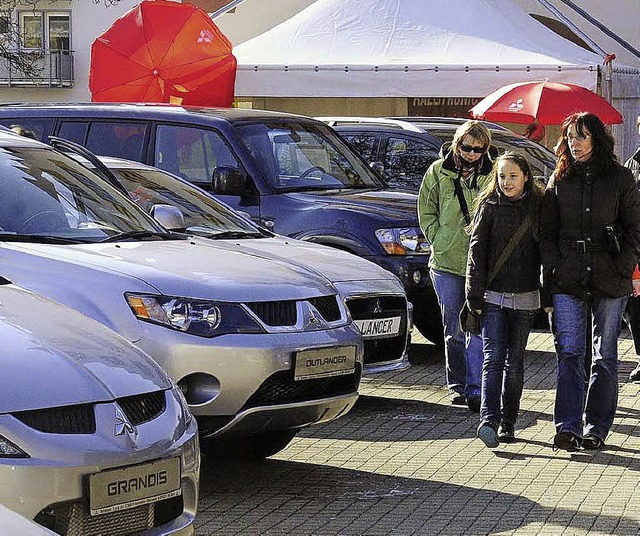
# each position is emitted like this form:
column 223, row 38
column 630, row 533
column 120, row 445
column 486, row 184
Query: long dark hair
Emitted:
column 532, row 186
column 602, row 155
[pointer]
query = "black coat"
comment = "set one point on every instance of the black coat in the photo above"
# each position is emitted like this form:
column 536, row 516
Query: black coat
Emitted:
column 576, row 250
column 496, row 221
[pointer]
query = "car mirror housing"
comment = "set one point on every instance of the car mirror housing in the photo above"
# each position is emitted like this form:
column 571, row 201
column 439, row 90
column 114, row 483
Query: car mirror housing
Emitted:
column 168, row 216
column 229, row 181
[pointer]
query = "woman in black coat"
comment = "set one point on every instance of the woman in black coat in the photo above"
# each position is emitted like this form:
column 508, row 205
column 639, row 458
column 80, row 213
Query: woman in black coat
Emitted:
column 590, row 236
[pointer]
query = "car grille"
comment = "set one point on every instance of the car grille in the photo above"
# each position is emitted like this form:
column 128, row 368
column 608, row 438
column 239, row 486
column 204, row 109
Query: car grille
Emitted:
column 63, row 420
column 327, row 306
column 390, row 348
column 277, row 313
column 81, row 419
column 143, row 408
column 73, row 518
column 281, row 388
column 284, row 313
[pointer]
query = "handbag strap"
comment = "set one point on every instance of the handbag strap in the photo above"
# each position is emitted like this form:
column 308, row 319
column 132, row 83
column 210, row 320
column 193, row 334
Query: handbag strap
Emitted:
column 510, row 247
column 457, row 188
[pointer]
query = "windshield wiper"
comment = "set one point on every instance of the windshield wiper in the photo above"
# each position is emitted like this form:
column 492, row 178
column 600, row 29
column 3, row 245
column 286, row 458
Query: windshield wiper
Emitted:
column 221, row 235
column 129, row 235
column 6, row 236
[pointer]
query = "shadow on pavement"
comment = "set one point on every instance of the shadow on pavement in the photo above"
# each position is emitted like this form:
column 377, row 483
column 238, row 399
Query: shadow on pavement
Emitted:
column 390, row 419
column 283, row 497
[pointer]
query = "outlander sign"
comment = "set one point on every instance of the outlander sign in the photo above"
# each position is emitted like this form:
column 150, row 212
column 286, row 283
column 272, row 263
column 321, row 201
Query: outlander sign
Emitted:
column 441, row 106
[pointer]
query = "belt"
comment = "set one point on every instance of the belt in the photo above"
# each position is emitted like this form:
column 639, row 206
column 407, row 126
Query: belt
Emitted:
column 527, row 301
column 584, row 246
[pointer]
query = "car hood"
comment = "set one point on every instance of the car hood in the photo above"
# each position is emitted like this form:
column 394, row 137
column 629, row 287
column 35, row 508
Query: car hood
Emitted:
column 336, row 265
column 54, row 356
column 386, row 204
column 196, row 268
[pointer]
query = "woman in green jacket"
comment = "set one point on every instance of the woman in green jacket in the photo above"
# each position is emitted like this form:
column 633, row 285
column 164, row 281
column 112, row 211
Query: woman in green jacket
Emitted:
column 445, row 202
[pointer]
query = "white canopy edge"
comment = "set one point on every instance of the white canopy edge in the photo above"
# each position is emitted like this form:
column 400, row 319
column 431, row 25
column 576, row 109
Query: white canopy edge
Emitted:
column 399, row 80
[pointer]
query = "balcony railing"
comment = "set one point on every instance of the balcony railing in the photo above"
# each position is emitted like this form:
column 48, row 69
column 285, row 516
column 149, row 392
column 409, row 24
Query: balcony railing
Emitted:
column 53, row 68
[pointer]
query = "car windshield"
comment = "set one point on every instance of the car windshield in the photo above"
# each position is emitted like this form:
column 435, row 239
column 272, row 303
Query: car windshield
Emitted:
column 202, row 214
column 296, row 156
column 46, row 196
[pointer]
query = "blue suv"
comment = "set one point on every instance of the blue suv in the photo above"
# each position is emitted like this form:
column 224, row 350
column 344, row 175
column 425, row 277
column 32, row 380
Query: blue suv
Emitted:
column 289, row 173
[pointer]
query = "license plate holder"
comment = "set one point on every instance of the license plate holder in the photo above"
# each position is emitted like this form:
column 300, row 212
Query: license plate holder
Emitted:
column 134, row 485
column 325, row 362
column 379, row 328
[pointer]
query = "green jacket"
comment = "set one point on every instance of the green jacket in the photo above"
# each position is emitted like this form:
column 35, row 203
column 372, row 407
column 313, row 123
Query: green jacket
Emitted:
column 440, row 216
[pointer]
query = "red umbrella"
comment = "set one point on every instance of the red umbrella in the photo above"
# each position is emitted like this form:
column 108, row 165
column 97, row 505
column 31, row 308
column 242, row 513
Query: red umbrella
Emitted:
column 547, row 102
column 163, row 51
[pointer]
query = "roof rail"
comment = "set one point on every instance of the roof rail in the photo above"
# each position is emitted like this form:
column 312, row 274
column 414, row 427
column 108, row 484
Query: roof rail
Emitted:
column 420, row 119
column 382, row 121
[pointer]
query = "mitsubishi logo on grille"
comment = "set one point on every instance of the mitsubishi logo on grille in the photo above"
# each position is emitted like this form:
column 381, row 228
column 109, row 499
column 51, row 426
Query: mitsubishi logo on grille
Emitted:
column 311, row 317
column 378, row 308
column 123, row 424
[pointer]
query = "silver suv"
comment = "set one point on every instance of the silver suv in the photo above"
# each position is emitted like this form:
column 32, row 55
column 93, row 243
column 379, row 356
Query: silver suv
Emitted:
column 259, row 347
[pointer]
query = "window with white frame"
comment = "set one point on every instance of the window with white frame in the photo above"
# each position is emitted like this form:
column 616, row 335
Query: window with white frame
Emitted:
column 45, row 30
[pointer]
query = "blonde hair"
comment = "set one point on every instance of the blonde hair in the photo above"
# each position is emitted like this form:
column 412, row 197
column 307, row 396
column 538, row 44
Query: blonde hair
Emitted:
column 476, row 130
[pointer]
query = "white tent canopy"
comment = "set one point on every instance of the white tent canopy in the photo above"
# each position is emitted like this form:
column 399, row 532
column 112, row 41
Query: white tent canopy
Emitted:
column 407, row 48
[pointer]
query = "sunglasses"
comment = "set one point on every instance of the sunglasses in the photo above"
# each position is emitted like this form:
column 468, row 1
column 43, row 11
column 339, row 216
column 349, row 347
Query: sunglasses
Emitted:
column 471, row 149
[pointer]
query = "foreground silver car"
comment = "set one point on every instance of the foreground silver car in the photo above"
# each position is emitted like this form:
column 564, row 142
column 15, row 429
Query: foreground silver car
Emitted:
column 94, row 436
column 260, row 348
column 375, row 297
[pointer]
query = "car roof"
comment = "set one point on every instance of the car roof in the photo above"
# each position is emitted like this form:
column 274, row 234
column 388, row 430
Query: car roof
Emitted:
column 148, row 110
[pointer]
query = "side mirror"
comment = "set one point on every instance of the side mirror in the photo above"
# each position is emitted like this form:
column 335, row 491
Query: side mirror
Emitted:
column 169, row 217
column 229, row 181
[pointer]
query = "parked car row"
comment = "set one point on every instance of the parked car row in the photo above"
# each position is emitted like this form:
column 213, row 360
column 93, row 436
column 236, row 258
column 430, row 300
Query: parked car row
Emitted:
column 291, row 174
column 258, row 336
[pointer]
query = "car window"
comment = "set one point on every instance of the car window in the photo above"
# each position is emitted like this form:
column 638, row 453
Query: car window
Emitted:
column 123, row 140
column 192, row 153
column 363, row 144
column 41, row 128
column 75, row 131
column 406, row 160
column 299, row 156
column 149, row 187
column 46, row 193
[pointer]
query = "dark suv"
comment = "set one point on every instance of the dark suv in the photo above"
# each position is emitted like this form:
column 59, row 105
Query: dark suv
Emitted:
column 289, row 173
column 402, row 148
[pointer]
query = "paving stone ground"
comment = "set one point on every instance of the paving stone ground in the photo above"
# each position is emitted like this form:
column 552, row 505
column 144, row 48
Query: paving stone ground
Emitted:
column 404, row 461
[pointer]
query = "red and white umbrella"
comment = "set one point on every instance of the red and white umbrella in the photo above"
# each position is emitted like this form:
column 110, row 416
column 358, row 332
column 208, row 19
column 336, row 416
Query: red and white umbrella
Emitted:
column 547, row 103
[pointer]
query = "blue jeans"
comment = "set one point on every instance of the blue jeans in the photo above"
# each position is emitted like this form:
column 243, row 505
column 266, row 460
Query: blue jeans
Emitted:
column 462, row 351
column 504, row 335
column 570, row 324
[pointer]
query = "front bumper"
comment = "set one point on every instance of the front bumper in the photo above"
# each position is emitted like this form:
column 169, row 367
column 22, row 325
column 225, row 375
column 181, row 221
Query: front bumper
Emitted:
column 51, row 487
column 224, row 373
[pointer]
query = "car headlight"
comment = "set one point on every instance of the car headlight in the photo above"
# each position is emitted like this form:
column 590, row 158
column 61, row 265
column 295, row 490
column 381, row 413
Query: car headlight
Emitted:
column 9, row 450
column 406, row 241
column 196, row 317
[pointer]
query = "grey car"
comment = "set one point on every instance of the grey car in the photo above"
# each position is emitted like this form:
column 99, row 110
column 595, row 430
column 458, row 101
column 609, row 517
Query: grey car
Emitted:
column 85, row 417
column 375, row 297
column 259, row 347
